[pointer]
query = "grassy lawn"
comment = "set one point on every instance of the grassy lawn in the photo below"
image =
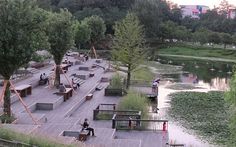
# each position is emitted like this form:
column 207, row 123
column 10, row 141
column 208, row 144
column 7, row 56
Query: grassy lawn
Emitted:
column 143, row 73
column 205, row 113
column 200, row 52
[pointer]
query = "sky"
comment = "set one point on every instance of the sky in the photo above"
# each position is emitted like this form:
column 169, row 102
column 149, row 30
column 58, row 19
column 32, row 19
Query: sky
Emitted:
column 209, row 3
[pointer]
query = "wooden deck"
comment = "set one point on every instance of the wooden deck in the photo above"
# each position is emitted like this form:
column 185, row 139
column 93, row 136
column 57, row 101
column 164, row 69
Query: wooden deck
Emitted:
column 68, row 115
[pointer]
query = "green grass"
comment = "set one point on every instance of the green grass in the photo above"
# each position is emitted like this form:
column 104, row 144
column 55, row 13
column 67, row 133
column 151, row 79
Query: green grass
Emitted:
column 206, row 113
column 10, row 135
column 134, row 101
column 199, row 52
column 143, row 73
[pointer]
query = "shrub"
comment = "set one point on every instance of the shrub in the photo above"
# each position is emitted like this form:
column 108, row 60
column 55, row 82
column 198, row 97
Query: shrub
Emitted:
column 6, row 119
column 10, row 135
column 116, row 82
column 134, row 101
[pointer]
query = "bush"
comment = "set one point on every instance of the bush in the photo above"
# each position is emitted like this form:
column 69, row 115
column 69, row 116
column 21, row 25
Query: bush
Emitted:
column 134, row 101
column 116, row 82
column 6, row 119
column 10, row 135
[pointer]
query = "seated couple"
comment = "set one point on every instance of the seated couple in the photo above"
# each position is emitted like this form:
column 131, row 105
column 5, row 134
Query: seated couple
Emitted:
column 74, row 84
column 44, row 78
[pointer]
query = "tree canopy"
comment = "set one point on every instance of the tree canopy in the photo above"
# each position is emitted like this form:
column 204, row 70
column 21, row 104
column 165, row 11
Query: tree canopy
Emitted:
column 21, row 33
column 128, row 44
column 60, row 33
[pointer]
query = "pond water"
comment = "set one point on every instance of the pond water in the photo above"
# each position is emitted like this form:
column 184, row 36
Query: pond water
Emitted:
column 212, row 74
column 207, row 74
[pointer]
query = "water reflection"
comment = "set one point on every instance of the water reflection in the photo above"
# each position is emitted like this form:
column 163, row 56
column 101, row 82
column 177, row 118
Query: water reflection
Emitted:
column 213, row 74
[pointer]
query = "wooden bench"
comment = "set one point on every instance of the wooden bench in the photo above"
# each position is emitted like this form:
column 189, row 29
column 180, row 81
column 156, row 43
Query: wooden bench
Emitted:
column 104, row 79
column 42, row 82
column 67, row 94
column 89, row 96
column 91, row 75
column 83, row 135
column 99, row 87
column 23, row 90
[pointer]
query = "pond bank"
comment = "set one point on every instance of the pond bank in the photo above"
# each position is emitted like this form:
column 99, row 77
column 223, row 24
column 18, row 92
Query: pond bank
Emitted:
column 200, row 58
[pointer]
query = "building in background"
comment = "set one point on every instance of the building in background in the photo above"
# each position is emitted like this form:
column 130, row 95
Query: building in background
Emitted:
column 193, row 10
column 232, row 12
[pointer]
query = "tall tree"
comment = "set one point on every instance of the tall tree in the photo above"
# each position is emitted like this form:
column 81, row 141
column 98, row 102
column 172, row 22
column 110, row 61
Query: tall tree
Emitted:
column 201, row 36
column 97, row 27
column 151, row 14
column 128, row 45
column 61, row 38
column 226, row 39
column 214, row 37
column 21, row 33
column 82, row 33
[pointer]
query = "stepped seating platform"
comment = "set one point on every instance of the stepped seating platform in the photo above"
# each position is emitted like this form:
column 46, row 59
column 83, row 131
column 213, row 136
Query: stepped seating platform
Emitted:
column 24, row 118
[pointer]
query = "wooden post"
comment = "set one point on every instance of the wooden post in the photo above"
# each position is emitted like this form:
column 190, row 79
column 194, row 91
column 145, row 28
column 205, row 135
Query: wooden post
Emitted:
column 68, row 80
column 3, row 91
column 22, row 102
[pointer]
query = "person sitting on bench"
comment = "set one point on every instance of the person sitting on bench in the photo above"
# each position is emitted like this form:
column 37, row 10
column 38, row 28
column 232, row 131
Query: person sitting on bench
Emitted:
column 43, row 79
column 74, row 84
column 62, row 88
column 86, row 127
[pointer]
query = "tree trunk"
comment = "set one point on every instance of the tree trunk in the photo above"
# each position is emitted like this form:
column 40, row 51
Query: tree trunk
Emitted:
column 57, row 78
column 224, row 46
column 128, row 77
column 7, row 100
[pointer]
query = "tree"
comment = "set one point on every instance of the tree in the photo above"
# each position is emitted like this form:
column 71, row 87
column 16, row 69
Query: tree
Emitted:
column 151, row 14
column 82, row 33
column 182, row 33
column 97, row 27
column 88, row 12
column 214, row 37
column 128, row 45
column 61, row 34
column 21, row 33
column 226, row 39
column 201, row 36
column 167, row 30
column 223, row 7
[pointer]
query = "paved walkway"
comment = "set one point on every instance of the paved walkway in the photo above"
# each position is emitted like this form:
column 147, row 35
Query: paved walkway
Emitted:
column 67, row 116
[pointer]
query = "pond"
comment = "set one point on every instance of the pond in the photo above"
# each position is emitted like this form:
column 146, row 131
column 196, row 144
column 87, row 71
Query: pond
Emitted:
column 214, row 74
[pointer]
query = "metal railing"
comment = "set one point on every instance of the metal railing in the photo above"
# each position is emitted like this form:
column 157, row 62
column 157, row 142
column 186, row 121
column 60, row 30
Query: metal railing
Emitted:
column 107, row 111
column 134, row 123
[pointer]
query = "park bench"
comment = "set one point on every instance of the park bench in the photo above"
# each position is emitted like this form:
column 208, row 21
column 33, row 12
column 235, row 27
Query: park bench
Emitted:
column 83, row 135
column 104, row 79
column 91, row 75
column 23, row 90
column 89, row 96
column 99, row 87
column 67, row 94
column 42, row 82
